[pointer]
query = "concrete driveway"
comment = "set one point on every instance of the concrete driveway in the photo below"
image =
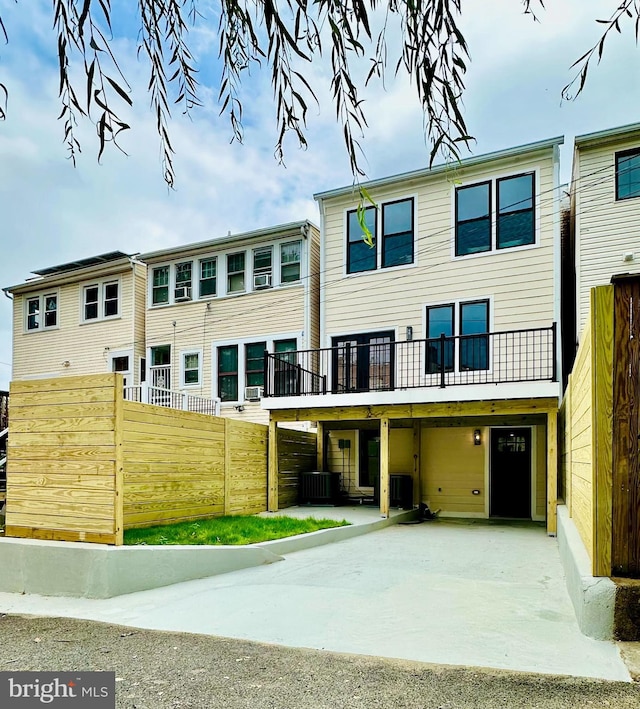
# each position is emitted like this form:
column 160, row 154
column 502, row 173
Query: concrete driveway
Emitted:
column 444, row 592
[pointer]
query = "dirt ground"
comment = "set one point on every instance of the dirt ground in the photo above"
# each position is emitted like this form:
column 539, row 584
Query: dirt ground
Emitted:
column 158, row 670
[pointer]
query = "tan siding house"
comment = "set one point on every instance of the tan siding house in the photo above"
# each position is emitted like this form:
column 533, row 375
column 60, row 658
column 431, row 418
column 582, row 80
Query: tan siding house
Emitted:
column 214, row 307
column 605, row 207
column 85, row 317
column 438, row 369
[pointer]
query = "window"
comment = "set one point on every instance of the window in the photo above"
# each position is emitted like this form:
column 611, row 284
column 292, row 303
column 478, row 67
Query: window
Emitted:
column 628, row 174
column 262, row 259
column 161, row 356
column 110, row 299
column 290, row 262
column 473, row 219
column 160, row 285
column 91, row 302
column 440, row 321
column 397, row 233
column 474, row 341
column 235, row 273
column 190, row 368
column 361, row 256
column 472, row 326
column 101, row 301
column 285, row 371
column 183, row 280
column 228, row 373
column 120, row 364
column 512, row 210
column 208, row 269
column 254, row 363
column 515, row 226
column 39, row 304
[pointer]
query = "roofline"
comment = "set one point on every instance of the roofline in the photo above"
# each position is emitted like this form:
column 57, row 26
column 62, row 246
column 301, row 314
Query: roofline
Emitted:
column 55, row 279
column 222, row 241
column 439, row 169
column 610, row 134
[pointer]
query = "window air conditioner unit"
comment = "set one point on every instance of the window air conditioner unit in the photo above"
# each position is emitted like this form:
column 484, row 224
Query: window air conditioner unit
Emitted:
column 261, row 280
column 253, row 393
column 182, row 293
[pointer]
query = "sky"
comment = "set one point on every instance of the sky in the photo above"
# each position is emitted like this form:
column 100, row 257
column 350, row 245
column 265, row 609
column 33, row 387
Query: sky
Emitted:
column 52, row 213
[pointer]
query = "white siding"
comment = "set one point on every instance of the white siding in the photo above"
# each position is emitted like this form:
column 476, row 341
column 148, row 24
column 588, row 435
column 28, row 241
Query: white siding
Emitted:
column 605, row 228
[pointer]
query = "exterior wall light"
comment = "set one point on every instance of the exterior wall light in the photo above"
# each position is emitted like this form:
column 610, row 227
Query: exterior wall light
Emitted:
column 477, row 437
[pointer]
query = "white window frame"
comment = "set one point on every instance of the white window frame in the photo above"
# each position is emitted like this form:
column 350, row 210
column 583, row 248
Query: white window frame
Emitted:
column 378, row 209
column 183, row 355
column 242, row 370
column 200, row 279
column 456, row 302
column 493, row 179
column 101, row 285
column 42, row 300
column 157, row 267
column 281, row 245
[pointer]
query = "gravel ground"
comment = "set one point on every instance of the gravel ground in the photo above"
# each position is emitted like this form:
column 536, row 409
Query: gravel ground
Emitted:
column 158, row 670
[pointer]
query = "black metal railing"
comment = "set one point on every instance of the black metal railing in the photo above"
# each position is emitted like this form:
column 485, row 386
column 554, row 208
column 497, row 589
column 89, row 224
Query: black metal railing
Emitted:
column 489, row 358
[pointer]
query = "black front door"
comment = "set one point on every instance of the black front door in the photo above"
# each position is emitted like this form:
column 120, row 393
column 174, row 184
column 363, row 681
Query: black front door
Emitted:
column 510, row 477
column 363, row 362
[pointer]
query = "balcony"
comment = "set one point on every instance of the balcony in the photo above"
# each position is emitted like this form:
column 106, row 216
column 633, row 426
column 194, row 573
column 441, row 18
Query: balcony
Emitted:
column 382, row 365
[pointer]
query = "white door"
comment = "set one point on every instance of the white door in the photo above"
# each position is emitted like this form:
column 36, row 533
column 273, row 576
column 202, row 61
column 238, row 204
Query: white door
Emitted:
column 122, row 363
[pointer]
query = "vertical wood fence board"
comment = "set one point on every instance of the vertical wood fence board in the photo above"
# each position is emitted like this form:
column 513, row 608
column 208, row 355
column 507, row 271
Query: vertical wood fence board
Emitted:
column 602, row 412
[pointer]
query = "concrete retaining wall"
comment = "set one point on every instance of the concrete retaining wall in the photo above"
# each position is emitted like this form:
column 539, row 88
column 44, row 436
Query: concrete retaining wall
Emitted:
column 593, row 598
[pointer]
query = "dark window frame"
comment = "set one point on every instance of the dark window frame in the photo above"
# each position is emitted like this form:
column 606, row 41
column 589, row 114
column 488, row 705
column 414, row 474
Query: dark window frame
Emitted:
column 618, row 156
column 457, row 221
column 429, row 369
column 475, row 337
column 349, row 242
column 259, row 369
column 531, row 209
column 384, row 235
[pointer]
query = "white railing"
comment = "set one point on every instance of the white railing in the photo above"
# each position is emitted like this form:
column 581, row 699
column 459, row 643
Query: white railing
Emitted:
column 158, row 396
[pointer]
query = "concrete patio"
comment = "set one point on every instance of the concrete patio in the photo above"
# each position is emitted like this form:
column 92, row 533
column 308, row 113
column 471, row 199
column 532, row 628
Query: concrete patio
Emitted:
column 461, row 593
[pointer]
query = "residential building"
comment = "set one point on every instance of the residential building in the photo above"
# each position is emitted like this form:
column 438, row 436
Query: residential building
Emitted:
column 439, row 356
column 215, row 307
column 83, row 317
column 605, row 215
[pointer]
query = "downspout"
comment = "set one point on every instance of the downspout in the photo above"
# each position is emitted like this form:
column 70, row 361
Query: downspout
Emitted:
column 304, row 231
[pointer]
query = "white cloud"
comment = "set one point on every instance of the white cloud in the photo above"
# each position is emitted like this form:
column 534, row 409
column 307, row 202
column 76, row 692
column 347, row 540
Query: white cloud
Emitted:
column 51, row 213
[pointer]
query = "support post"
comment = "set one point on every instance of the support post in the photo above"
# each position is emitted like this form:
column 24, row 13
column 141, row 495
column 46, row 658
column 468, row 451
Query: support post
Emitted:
column 320, row 447
column 272, row 468
column 119, row 459
column 552, row 473
column 417, row 486
column 384, row 466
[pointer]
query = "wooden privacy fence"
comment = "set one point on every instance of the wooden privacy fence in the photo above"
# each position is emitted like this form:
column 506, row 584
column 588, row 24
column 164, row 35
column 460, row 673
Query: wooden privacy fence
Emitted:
column 84, row 464
column 600, row 428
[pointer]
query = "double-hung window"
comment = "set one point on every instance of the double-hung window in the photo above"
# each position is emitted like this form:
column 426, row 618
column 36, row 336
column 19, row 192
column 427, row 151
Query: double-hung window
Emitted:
column 101, row 300
column 254, row 363
column 183, row 280
column 42, row 312
column 160, row 285
column 290, row 257
column 397, row 233
column 228, row 373
column 361, row 256
column 628, row 174
column 473, row 219
column 262, row 267
column 190, row 368
column 515, row 221
column 208, row 277
column 235, row 273
column 465, row 345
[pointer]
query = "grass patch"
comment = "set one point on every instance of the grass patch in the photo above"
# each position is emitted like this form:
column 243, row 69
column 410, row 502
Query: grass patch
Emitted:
column 240, row 529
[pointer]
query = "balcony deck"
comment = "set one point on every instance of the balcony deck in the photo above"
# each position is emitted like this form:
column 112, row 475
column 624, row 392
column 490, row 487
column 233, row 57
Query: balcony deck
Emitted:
column 516, row 364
